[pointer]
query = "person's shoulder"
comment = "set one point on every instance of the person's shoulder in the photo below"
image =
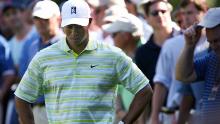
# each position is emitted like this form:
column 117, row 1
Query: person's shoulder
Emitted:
column 144, row 46
column 174, row 41
column 33, row 42
column 4, row 46
column 3, row 42
column 208, row 56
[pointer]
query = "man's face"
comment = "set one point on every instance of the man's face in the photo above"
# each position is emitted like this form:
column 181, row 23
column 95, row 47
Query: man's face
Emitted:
column 191, row 15
column 214, row 39
column 76, row 34
column 120, row 39
column 13, row 18
column 159, row 15
column 46, row 27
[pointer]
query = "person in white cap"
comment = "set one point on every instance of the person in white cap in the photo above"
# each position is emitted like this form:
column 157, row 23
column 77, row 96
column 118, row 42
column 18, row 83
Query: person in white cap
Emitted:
column 46, row 18
column 126, row 32
column 78, row 76
column 99, row 9
column 206, row 68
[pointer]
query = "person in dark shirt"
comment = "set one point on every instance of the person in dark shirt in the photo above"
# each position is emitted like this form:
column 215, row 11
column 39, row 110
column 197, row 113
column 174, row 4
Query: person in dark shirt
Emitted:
column 158, row 16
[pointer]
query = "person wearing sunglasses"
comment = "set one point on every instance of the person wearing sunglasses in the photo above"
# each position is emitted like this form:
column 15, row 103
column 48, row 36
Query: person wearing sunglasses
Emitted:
column 157, row 14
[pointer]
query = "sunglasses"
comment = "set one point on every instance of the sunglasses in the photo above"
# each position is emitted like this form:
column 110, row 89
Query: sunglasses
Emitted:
column 156, row 12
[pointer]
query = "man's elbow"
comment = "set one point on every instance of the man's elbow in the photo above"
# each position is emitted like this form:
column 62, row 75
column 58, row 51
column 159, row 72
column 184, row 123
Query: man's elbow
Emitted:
column 148, row 92
column 186, row 78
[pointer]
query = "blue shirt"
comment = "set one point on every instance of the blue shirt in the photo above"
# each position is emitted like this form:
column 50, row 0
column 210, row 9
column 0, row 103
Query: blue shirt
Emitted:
column 206, row 69
column 6, row 63
column 30, row 49
column 16, row 45
column 194, row 89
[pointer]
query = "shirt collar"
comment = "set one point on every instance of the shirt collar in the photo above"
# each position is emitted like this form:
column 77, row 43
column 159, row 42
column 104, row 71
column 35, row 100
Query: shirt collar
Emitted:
column 92, row 45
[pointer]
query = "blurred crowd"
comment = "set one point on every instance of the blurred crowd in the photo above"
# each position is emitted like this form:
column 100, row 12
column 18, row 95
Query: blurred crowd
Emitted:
column 150, row 32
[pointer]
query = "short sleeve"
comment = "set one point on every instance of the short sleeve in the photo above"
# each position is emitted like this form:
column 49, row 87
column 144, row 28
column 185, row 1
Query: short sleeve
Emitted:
column 30, row 87
column 129, row 75
column 164, row 67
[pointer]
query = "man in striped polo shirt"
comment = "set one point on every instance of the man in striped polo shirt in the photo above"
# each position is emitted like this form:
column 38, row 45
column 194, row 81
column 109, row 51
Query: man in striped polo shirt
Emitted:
column 78, row 77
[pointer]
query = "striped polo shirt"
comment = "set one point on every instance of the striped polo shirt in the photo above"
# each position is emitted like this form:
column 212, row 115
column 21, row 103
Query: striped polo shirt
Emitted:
column 206, row 69
column 79, row 89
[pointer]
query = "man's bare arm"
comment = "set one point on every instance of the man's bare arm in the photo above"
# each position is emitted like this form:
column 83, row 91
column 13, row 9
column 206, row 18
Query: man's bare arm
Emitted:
column 184, row 69
column 7, row 83
column 159, row 97
column 139, row 103
column 24, row 111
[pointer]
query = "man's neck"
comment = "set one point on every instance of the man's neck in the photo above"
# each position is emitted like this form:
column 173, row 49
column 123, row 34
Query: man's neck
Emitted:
column 21, row 33
column 130, row 49
column 46, row 38
column 78, row 48
column 161, row 35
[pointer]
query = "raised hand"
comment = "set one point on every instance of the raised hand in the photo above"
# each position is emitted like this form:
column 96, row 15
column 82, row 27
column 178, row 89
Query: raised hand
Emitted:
column 192, row 34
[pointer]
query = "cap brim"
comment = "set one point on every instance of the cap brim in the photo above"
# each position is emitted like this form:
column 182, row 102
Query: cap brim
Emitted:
column 77, row 21
column 110, row 28
column 208, row 24
column 42, row 15
column 110, row 19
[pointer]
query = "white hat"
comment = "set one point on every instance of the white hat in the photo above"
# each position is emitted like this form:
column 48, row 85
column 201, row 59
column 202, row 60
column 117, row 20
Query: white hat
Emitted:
column 211, row 18
column 126, row 23
column 75, row 12
column 46, row 9
column 98, row 3
column 109, row 3
column 117, row 2
column 115, row 11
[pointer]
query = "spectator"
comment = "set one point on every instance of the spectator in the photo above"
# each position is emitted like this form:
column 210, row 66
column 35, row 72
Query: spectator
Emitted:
column 13, row 14
column 102, row 9
column 7, row 75
column 46, row 18
column 111, row 14
column 132, row 6
column 193, row 11
column 126, row 34
column 79, row 77
column 158, row 16
column 4, row 29
column 164, row 79
column 205, row 68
